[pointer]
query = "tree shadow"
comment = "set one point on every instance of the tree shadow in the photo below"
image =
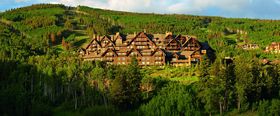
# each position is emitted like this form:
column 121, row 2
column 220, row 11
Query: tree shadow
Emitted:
column 115, row 28
column 80, row 42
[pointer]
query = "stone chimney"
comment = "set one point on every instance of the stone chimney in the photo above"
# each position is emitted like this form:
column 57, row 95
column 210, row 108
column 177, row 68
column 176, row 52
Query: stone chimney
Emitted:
column 134, row 34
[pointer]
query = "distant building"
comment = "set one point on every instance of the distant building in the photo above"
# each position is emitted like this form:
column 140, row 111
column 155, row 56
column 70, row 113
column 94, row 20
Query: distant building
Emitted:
column 270, row 62
column 148, row 49
column 249, row 46
column 274, row 47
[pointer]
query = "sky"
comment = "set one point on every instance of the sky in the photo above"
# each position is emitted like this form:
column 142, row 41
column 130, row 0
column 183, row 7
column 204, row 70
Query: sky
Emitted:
column 261, row 9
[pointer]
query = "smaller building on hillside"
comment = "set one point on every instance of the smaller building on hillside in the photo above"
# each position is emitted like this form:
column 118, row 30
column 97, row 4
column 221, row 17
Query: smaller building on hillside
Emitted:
column 249, row 46
column 274, row 47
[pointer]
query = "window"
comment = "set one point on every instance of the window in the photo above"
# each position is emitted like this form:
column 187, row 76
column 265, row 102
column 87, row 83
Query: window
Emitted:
column 158, row 62
column 158, row 58
column 203, row 51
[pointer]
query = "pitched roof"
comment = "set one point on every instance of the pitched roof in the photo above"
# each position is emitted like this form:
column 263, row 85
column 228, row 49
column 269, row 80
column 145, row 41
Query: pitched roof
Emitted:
column 187, row 53
column 92, row 42
column 139, row 35
column 105, row 51
column 109, row 38
column 158, row 49
column 133, row 49
column 192, row 40
column 173, row 39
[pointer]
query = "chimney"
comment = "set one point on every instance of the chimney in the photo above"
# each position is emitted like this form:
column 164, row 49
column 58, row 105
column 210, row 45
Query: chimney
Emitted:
column 98, row 37
column 134, row 34
column 144, row 30
column 168, row 33
column 93, row 36
column 118, row 33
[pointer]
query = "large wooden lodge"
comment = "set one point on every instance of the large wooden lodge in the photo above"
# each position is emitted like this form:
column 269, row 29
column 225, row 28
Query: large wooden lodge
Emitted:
column 148, row 49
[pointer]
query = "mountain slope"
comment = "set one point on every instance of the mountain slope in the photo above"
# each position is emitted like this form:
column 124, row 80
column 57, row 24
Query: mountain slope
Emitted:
column 47, row 25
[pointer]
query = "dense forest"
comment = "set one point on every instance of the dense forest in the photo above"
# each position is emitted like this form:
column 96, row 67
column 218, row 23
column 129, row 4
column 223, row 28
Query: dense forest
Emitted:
column 41, row 73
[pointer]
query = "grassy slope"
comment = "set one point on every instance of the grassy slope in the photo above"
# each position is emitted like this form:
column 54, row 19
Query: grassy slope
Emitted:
column 182, row 74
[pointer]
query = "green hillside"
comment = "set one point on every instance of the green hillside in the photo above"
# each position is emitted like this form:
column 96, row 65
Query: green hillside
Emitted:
column 49, row 24
column 41, row 73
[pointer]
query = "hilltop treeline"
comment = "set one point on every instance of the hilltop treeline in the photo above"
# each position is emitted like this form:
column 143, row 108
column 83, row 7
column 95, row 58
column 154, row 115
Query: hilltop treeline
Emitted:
column 254, row 30
column 41, row 73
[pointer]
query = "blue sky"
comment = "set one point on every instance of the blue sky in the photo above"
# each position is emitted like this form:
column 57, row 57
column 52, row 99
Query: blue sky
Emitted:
column 263, row 9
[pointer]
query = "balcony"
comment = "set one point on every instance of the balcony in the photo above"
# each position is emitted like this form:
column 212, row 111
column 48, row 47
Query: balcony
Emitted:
column 141, row 40
column 173, row 48
column 146, row 53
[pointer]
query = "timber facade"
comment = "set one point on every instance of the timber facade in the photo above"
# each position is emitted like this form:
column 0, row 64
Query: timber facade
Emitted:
column 148, row 49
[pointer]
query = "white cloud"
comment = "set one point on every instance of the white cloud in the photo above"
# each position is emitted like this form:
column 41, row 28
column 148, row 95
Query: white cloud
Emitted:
column 232, row 8
column 159, row 6
column 21, row 1
column 277, row 2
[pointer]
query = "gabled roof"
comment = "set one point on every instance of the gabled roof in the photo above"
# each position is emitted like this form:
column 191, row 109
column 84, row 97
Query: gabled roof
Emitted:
column 82, row 50
column 109, row 39
column 192, row 40
column 158, row 49
column 167, row 36
column 133, row 49
column 187, row 53
column 178, row 38
column 139, row 35
column 105, row 37
column 92, row 42
column 173, row 39
column 118, row 37
column 107, row 50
